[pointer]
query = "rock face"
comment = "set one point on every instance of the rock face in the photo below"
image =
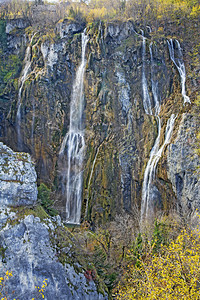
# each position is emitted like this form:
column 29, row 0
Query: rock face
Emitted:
column 123, row 69
column 183, row 164
column 65, row 29
column 17, row 178
column 27, row 245
column 19, row 23
column 27, row 252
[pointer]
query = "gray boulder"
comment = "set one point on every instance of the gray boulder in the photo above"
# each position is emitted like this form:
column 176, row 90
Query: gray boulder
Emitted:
column 17, row 178
column 27, row 252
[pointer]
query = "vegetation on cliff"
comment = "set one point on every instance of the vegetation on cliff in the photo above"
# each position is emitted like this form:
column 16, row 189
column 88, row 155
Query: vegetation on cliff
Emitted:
column 159, row 261
column 155, row 262
column 162, row 15
column 164, row 267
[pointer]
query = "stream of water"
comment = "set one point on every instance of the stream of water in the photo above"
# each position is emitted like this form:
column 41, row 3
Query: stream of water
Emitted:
column 150, row 171
column 156, row 152
column 179, row 63
column 146, row 97
column 74, row 144
column 23, row 77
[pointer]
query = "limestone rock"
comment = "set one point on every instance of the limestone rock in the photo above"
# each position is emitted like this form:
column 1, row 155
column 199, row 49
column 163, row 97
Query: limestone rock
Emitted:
column 65, row 28
column 183, row 164
column 120, row 30
column 30, row 257
column 16, row 23
column 17, row 178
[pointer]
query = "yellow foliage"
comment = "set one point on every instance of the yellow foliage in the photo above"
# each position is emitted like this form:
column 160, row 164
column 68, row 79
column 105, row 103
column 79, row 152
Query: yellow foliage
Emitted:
column 173, row 273
column 8, row 274
column 96, row 13
column 41, row 289
column 195, row 11
column 3, row 280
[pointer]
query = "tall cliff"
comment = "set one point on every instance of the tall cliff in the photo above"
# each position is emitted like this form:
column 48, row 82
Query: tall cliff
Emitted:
column 137, row 99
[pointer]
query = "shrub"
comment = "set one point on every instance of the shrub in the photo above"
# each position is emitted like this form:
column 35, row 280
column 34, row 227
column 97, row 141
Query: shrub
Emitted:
column 44, row 196
column 173, row 272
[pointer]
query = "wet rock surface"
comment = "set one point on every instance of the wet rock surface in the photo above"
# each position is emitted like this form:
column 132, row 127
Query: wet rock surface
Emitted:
column 114, row 119
column 183, row 164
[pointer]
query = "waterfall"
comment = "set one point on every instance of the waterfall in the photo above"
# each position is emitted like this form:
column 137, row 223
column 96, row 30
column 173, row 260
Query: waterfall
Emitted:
column 146, row 97
column 149, row 176
column 74, row 144
column 147, row 181
column 156, row 152
column 25, row 71
column 154, row 84
column 178, row 62
column 24, row 74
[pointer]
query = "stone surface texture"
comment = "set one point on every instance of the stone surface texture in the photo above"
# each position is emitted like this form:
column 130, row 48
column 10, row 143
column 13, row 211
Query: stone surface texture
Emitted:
column 117, row 128
column 28, row 253
column 27, row 246
column 183, row 164
column 17, row 178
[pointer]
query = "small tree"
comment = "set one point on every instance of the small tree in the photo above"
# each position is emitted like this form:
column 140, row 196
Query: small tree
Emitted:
column 171, row 273
column 44, row 196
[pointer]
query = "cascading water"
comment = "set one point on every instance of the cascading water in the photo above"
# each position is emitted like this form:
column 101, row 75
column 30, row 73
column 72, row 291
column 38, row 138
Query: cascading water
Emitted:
column 21, row 84
column 74, row 144
column 25, row 72
column 156, row 152
column 149, row 175
column 154, row 84
column 178, row 62
column 146, row 97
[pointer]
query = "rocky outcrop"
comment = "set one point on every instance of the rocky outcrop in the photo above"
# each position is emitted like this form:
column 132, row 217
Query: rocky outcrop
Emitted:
column 29, row 246
column 17, row 178
column 16, row 23
column 28, row 254
column 183, row 164
column 65, row 28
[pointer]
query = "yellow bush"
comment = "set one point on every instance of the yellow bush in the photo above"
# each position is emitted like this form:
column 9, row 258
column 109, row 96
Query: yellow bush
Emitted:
column 5, row 278
column 173, row 273
column 96, row 13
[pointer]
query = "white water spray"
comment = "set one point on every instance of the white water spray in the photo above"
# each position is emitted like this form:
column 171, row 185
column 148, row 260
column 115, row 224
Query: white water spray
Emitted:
column 156, row 152
column 149, row 175
column 74, row 143
column 146, row 97
column 25, row 72
column 154, row 84
column 178, row 61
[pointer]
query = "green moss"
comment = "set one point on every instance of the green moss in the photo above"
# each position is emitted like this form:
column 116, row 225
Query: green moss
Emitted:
column 9, row 70
column 22, row 211
column 2, row 253
column 39, row 212
column 127, row 43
